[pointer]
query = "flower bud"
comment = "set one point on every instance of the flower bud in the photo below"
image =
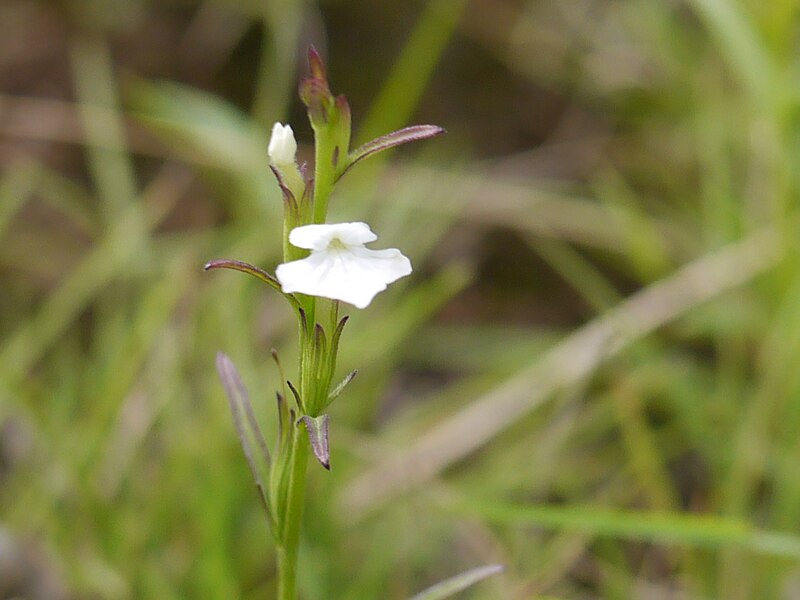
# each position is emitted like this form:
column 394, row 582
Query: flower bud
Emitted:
column 282, row 145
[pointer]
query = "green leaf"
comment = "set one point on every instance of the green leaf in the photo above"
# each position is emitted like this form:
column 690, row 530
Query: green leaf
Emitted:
column 460, row 582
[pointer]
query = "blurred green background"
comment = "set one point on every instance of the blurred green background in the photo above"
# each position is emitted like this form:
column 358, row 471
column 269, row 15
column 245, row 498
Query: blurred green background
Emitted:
column 592, row 377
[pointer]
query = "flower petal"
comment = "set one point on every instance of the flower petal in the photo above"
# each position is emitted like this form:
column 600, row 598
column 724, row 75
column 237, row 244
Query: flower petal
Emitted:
column 319, row 237
column 354, row 275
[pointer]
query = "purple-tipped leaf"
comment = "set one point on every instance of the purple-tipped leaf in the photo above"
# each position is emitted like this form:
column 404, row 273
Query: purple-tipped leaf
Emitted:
column 243, row 267
column 462, row 581
column 247, row 427
column 390, row 140
column 317, row 428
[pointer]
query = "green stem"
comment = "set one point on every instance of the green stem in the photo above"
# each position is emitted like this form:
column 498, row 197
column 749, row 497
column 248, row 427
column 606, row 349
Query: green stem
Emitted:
column 324, row 172
column 290, row 543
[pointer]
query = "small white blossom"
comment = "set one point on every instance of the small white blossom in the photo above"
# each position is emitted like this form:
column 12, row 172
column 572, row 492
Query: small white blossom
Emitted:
column 282, row 145
column 339, row 266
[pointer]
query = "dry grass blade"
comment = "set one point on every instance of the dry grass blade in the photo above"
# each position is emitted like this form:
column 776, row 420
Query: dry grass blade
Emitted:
column 565, row 364
column 449, row 587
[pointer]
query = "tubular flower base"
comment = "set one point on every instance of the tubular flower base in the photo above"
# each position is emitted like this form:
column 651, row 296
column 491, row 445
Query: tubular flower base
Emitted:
column 339, row 266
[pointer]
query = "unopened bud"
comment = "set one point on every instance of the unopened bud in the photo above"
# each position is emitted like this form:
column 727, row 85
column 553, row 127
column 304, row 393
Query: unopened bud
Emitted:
column 282, row 145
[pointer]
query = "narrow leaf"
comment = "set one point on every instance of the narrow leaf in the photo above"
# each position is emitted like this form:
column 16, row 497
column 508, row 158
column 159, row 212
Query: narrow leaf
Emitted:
column 460, row 582
column 246, row 428
column 317, row 428
column 243, row 267
column 390, row 140
column 237, row 265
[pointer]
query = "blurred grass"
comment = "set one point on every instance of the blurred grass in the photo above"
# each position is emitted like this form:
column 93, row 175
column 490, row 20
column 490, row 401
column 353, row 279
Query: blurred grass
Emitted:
column 595, row 149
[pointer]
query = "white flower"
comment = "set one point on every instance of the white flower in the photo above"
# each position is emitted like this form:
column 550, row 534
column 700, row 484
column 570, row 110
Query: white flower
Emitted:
column 340, row 267
column 282, row 145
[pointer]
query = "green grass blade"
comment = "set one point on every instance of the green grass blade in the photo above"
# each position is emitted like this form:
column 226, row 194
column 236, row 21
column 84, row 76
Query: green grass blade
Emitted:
column 740, row 45
column 658, row 527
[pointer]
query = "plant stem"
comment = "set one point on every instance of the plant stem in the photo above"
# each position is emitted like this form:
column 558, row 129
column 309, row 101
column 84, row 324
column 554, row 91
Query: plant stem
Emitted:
column 292, row 519
column 323, row 172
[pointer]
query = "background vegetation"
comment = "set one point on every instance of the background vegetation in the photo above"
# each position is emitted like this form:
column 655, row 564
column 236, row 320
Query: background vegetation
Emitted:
column 591, row 378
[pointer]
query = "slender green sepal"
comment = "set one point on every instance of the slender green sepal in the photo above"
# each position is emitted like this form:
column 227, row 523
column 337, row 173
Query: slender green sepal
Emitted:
column 317, row 428
column 330, row 365
column 303, row 323
column 297, row 397
column 337, row 334
column 283, row 422
column 335, row 392
column 281, row 373
column 320, row 340
column 321, row 363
